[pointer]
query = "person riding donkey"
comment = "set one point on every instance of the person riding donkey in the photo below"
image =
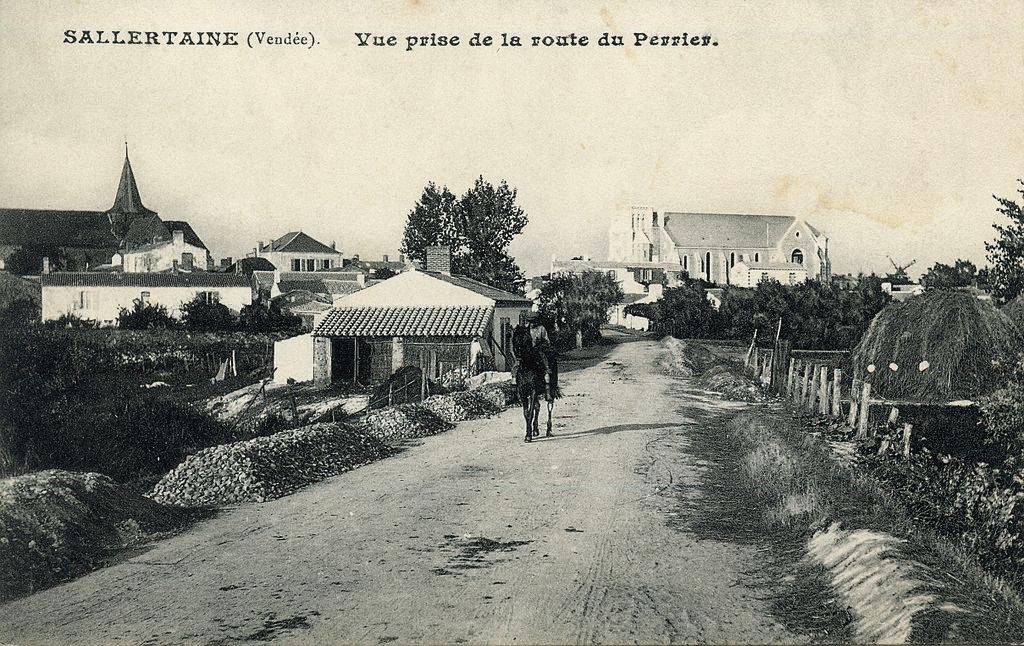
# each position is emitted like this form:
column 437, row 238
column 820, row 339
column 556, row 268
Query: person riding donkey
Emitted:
column 540, row 343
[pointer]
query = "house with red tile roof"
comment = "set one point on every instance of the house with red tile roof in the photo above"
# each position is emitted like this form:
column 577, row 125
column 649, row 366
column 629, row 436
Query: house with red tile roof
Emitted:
column 298, row 251
column 99, row 296
column 432, row 319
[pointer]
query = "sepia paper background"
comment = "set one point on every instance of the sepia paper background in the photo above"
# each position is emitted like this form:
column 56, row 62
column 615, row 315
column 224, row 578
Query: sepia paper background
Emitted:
column 890, row 125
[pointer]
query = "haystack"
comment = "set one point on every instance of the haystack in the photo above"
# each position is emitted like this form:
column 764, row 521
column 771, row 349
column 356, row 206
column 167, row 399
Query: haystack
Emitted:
column 967, row 343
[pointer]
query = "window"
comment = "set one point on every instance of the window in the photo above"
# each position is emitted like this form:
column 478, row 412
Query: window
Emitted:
column 792, row 278
column 798, row 234
column 84, row 300
column 686, row 262
column 296, row 264
column 732, row 259
column 210, row 298
column 764, row 276
column 611, row 273
column 144, row 297
column 797, row 257
column 757, row 257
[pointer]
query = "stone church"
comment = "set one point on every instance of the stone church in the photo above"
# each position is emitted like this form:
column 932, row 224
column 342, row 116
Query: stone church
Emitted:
column 711, row 245
column 86, row 240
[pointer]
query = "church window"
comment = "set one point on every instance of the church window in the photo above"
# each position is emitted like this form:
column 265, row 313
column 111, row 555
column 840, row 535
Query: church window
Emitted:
column 757, row 257
column 732, row 259
column 144, row 297
column 797, row 257
column 798, row 234
column 764, row 276
column 685, row 262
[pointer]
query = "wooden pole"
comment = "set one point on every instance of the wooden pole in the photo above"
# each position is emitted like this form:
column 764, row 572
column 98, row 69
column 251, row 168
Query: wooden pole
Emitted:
column 804, row 367
column 907, row 428
column 837, row 392
column 823, row 391
column 852, row 418
column 355, row 361
column 894, row 414
column 812, row 388
column 789, row 378
column 865, row 410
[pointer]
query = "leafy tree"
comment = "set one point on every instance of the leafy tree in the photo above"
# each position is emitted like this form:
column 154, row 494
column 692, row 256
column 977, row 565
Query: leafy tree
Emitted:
column 145, row 316
column 579, row 302
column 1006, row 252
column 205, row 314
column 962, row 273
column 384, row 273
column 28, row 260
column 478, row 229
column 682, row 311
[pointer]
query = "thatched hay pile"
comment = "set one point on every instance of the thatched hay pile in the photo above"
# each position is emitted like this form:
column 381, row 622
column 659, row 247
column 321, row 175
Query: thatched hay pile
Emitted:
column 1014, row 310
column 966, row 342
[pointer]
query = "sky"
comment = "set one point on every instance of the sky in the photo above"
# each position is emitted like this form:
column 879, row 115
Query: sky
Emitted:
column 888, row 125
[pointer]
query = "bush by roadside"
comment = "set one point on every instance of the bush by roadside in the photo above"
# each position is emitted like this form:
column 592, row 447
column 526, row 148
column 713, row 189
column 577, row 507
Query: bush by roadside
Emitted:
column 56, row 525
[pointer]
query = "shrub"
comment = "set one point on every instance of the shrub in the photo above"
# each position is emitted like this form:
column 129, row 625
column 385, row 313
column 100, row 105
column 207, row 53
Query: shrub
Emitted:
column 204, row 314
column 73, row 321
column 262, row 317
column 145, row 316
column 19, row 313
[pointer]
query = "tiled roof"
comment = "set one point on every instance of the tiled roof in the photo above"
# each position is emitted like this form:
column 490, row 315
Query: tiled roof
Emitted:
column 63, row 228
column 250, row 265
column 101, row 279
column 492, row 293
column 718, row 230
column 150, row 231
column 628, row 299
column 320, row 275
column 299, row 242
column 455, row 321
column 319, row 285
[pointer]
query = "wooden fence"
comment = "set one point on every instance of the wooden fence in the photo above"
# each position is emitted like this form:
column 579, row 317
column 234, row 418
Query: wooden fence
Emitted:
column 817, row 387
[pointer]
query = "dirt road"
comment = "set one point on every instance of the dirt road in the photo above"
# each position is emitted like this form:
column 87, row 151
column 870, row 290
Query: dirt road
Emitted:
column 471, row 536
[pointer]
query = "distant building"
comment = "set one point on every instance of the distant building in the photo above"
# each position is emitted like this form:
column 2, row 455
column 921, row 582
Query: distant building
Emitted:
column 709, row 245
column 85, row 239
column 100, row 296
column 298, row 251
column 153, row 244
column 634, row 277
column 902, row 292
column 127, row 236
column 378, row 269
column 433, row 319
column 750, row 273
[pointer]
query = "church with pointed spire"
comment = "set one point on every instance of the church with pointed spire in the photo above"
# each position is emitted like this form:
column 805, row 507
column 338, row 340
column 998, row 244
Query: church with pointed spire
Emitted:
column 76, row 240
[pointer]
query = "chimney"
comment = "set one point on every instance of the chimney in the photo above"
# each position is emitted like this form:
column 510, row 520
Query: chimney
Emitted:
column 46, row 264
column 333, row 246
column 174, row 266
column 385, row 257
column 225, row 262
column 439, row 259
column 355, row 258
column 178, row 237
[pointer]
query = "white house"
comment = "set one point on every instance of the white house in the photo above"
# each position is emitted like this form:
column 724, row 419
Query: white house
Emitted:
column 154, row 245
column 297, row 251
column 429, row 318
column 100, row 296
column 745, row 274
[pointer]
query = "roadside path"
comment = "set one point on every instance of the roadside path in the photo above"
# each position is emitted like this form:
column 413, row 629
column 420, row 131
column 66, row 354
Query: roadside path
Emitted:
column 470, row 536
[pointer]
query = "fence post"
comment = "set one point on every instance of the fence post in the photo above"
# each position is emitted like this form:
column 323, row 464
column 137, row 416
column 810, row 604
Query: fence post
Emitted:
column 837, row 392
column 852, row 418
column 812, row 388
column 907, row 428
column 823, row 392
column 789, row 379
column 894, row 414
column 804, row 367
column 865, row 410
